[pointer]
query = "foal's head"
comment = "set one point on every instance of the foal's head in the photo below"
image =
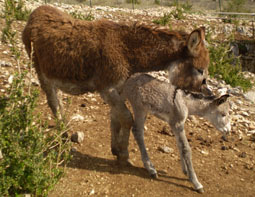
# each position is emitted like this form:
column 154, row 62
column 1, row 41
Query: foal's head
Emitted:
column 191, row 70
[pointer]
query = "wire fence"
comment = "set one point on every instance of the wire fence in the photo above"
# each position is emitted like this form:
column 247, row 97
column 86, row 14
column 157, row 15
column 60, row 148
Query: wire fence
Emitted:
column 197, row 5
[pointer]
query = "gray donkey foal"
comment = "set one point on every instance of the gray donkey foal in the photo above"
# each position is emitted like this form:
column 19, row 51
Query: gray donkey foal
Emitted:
column 173, row 105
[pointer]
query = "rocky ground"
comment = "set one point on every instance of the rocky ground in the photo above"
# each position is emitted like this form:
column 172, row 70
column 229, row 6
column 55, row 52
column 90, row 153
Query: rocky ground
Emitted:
column 226, row 167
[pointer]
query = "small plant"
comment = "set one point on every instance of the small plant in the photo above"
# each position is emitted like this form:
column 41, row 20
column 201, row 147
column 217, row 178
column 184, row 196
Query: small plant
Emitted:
column 32, row 154
column 16, row 9
column 13, row 10
column 78, row 15
column 225, row 66
column 157, row 2
column 178, row 13
column 235, row 6
column 134, row 1
column 163, row 20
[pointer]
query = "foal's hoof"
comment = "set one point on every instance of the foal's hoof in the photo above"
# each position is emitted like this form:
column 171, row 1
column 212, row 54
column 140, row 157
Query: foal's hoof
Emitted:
column 201, row 190
column 154, row 176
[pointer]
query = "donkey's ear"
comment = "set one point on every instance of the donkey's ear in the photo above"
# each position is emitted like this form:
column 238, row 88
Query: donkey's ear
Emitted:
column 195, row 39
column 221, row 100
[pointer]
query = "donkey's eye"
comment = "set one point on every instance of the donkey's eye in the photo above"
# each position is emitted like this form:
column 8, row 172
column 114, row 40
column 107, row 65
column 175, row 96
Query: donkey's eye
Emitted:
column 200, row 71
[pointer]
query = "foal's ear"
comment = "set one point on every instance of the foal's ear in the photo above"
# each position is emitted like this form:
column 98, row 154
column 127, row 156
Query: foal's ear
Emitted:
column 195, row 38
column 221, row 100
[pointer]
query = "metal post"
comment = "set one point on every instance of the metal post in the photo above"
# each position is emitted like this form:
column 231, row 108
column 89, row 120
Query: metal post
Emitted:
column 253, row 31
column 133, row 4
column 220, row 5
column 90, row 3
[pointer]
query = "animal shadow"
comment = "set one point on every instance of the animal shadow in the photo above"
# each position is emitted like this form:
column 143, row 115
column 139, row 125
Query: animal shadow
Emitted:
column 99, row 164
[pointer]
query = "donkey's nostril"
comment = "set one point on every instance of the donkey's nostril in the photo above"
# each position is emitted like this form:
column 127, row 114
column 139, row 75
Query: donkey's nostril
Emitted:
column 204, row 82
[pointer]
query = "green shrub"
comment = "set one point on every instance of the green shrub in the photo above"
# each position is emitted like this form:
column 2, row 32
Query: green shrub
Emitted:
column 134, row 1
column 16, row 10
column 157, row 2
column 225, row 66
column 178, row 13
column 163, row 20
column 13, row 10
column 31, row 154
column 236, row 6
column 78, row 15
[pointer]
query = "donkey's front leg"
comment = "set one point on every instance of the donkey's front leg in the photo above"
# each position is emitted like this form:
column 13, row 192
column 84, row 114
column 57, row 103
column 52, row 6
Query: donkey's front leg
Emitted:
column 186, row 158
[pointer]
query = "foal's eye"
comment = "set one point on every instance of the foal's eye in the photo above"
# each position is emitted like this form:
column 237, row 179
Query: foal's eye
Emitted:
column 200, row 71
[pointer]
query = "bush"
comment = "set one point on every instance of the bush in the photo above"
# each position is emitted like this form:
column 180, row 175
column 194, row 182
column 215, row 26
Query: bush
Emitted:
column 78, row 15
column 13, row 10
column 16, row 10
column 163, row 20
column 32, row 154
column 225, row 66
column 236, row 6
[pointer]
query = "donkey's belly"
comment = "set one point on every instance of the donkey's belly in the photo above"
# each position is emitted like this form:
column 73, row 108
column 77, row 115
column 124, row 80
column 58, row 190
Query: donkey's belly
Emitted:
column 74, row 88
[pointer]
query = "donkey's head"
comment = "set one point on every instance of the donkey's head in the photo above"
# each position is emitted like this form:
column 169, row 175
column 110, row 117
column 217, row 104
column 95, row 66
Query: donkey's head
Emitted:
column 218, row 114
column 191, row 70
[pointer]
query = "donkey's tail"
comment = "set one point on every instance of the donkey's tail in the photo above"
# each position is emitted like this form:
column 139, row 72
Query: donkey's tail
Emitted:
column 26, row 38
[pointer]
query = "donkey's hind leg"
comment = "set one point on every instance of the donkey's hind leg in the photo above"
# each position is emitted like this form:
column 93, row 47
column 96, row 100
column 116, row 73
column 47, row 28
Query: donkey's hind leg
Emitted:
column 52, row 95
column 121, row 123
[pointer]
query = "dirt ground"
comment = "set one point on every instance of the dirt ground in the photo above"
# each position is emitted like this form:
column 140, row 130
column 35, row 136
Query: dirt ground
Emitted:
column 225, row 168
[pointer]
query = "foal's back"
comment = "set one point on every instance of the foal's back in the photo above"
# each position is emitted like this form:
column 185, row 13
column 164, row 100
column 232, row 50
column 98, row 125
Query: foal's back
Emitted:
column 149, row 94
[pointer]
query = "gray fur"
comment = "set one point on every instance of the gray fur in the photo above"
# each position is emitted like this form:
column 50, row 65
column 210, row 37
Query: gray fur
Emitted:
column 147, row 94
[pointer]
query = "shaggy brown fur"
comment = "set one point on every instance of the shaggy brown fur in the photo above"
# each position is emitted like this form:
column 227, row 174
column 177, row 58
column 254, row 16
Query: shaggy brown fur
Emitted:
column 79, row 56
column 77, row 51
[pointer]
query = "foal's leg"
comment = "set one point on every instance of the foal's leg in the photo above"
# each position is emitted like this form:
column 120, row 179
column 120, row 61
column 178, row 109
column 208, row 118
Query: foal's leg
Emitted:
column 121, row 123
column 138, row 132
column 186, row 158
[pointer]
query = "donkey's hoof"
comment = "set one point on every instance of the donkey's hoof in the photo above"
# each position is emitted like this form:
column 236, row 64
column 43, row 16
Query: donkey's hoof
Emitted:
column 125, row 162
column 201, row 190
column 115, row 151
column 154, row 176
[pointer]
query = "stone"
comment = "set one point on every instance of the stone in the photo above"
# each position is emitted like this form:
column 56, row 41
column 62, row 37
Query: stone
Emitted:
column 77, row 117
column 165, row 149
column 250, row 96
column 204, row 152
column 243, row 155
column 83, row 105
column 92, row 192
column 1, row 155
column 5, row 64
column 10, row 79
column 252, row 132
column 77, row 137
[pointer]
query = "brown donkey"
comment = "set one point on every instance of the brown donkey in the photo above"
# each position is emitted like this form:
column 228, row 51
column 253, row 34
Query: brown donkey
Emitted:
column 78, row 56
